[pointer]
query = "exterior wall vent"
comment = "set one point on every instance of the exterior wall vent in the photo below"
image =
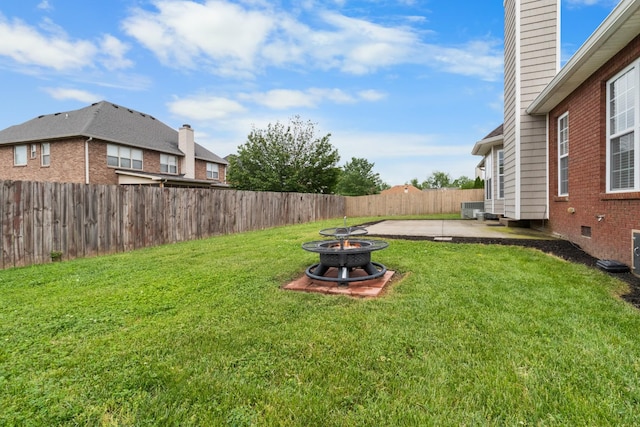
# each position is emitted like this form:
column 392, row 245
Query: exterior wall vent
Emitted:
column 635, row 251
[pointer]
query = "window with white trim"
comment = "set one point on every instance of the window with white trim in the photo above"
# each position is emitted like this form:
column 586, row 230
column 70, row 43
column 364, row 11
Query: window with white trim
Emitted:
column 622, row 128
column 563, row 155
column 500, row 174
column 212, row 171
column 488, row 175
column 34, row 151
column 124, row 157
column 20, row 155
column 168, row 164
column 45, row 154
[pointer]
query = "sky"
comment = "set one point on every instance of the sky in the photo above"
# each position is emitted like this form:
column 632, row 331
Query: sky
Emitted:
column 409, row 85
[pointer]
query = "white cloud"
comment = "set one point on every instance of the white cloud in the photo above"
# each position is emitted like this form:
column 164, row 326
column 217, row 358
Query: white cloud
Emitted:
column 26, row 46
column 205, row 107
column 45, row 5
column 371, row 95
column 63, row 94
column 242, row 39
column 114, row 52
column 52, row 48
column 185, row 33
column 283, row 99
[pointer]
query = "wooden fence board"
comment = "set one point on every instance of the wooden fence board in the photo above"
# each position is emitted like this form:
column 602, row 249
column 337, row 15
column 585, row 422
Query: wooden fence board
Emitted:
column 84, row 220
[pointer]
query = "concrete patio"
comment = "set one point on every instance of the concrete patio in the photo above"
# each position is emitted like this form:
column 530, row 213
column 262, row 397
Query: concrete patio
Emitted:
column 442, row 229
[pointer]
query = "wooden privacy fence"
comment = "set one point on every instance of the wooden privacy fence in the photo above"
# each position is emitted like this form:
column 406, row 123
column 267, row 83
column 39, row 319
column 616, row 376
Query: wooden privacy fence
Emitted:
column 41, row 219
column 424, row 203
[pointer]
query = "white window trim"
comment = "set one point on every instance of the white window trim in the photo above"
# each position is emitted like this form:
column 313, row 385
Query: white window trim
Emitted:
column 131, row 158
column 562, row 156
column 171, row 162
column 500, row 175
column 15, row 157
column 45, row 153
column 34, row 151
column 217, row 171
column 636, row 129
column 488, row 176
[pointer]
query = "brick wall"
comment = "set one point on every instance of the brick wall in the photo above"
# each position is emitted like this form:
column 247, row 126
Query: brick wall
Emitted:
column 201, row 171
column 610, row 238
column 66, row 163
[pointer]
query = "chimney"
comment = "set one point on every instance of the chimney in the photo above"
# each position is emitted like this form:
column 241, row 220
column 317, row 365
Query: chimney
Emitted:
column 531, row 61
column 186, row 144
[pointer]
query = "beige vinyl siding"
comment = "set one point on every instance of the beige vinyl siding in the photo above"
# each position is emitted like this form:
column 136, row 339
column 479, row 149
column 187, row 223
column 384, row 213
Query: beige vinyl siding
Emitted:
column 539, row 64
column 531, row 62
column 509, row 127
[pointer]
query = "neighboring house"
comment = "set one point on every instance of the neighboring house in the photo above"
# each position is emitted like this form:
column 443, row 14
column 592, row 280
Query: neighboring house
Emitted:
column 571, row 136
column 401, row 189
column 105, row 143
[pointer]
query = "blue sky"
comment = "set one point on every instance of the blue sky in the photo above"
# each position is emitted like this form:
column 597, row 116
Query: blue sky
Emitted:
column 409, row 85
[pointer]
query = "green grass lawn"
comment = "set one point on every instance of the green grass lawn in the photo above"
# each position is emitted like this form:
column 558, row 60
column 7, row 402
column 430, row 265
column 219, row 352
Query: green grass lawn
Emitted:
column 200, row 333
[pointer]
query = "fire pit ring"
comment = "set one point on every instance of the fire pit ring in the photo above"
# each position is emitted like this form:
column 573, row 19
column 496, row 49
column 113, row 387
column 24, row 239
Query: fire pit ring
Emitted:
column 345, row 254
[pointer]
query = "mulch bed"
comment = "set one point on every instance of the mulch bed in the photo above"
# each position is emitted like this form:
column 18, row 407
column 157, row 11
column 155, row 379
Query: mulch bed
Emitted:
column 560, row 248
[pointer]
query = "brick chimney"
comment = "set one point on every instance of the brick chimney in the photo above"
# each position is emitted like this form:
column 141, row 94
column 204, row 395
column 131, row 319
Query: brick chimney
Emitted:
column 186, row 144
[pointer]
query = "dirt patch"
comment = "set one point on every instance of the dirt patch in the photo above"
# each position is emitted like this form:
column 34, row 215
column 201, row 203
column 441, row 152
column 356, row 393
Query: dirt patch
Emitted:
column 560, row 248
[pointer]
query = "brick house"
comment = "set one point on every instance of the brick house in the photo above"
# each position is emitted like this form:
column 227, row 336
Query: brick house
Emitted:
column 571, row 137
column 105, row 143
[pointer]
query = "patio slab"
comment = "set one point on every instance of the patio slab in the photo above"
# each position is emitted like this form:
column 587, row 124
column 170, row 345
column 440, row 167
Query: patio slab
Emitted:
column 365, row 289
column 442, row 229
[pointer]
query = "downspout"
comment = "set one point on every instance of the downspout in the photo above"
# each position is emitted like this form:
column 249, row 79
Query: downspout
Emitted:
column 86, row 160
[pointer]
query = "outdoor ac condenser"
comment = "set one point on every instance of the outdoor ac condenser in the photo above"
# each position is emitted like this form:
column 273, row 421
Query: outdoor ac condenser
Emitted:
column 468, row 210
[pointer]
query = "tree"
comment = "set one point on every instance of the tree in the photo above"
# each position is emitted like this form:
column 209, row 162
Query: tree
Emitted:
column 438, row 180
column 358, row 179
column 463, row 182
column 285, row 158
column 416, row 184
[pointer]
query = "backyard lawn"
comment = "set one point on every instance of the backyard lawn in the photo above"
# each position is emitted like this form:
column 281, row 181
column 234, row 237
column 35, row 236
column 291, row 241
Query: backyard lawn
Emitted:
column 201, row 334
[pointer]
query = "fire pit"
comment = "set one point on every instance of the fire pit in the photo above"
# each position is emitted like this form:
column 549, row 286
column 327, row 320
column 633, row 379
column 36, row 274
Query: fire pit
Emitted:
column 346, row 252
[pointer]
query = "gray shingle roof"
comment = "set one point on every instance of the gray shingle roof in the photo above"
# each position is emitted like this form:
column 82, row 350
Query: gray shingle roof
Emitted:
column 106, row 121
column 496, row 132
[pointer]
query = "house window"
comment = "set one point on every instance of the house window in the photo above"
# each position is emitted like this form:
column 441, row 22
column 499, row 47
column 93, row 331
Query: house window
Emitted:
column 34, row 152
column 622, row 97
column 501, row 174
column 45, row 153
column 563, row 155
column 124, row 157
column 168, row 164
column 488, row 174
column 212, row 171
column 20, row 155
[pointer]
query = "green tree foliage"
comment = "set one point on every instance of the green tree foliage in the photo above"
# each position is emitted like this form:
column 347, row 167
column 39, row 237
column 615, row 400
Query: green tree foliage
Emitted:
column 287, row 158
column 416, row 184
column 358, row 179
column 443, row 180
column 438, row 179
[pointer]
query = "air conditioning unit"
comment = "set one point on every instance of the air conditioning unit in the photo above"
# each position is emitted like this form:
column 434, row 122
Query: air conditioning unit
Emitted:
column 469, row 210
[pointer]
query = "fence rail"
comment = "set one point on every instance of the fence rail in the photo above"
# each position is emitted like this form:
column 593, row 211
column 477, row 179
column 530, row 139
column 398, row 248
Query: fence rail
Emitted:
column 424, row 203
column 38, row 219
